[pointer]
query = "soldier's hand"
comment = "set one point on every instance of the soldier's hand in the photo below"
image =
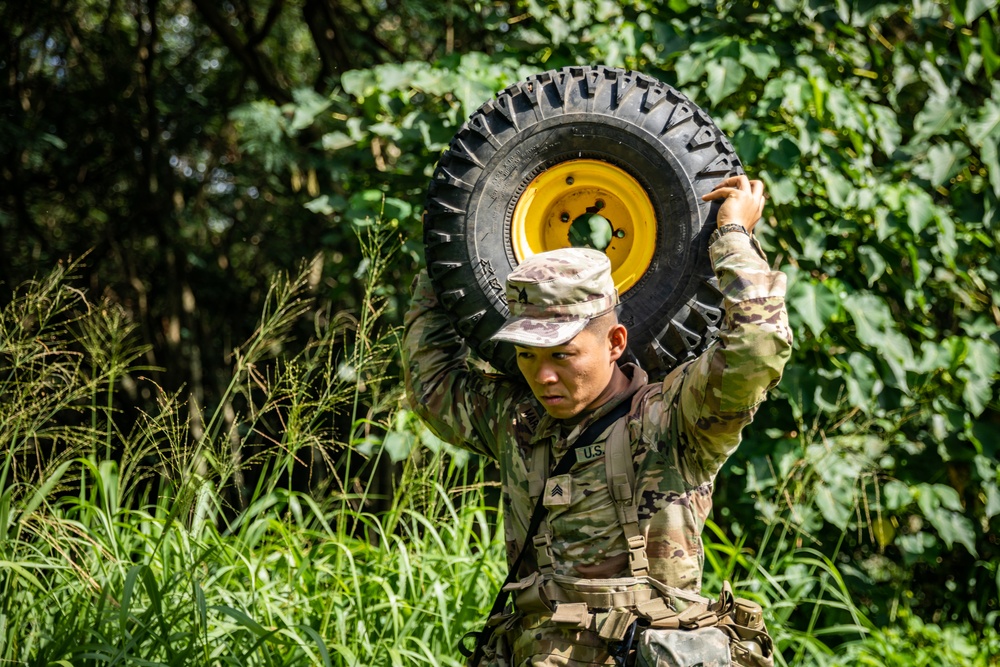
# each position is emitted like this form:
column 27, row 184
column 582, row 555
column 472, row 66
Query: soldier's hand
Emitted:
column 744, row 201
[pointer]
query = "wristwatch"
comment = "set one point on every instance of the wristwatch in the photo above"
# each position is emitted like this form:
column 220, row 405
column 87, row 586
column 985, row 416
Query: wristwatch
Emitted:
column 726, row 229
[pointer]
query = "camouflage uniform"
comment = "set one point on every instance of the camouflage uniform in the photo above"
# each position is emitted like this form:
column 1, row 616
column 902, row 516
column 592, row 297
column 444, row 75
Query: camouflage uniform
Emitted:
column 680, row 433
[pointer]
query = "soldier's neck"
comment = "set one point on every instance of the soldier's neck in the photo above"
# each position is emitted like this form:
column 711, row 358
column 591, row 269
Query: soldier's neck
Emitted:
column 618, row 384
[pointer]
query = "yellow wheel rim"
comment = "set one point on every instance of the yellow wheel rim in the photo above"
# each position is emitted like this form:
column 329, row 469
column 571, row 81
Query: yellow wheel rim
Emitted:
column 576, row 189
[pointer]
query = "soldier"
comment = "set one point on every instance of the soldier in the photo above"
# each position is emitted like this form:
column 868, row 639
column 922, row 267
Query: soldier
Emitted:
column 621, row 540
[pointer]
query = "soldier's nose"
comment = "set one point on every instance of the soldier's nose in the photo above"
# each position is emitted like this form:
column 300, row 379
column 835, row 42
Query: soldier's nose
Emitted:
column 545, row 375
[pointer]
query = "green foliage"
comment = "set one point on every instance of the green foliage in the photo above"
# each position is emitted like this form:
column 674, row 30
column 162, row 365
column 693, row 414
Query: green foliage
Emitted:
column 150, row 559
column 919, row 644
column 246, row 137
column 875, row 128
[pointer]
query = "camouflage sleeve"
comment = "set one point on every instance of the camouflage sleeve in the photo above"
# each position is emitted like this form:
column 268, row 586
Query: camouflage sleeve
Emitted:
column 460, row 404
column 717, row 394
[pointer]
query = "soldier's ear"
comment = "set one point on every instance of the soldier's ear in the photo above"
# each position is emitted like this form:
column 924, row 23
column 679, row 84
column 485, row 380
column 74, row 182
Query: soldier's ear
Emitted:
column 617, row 340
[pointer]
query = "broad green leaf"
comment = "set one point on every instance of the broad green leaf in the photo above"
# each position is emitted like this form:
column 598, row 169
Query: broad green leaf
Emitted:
column 387, row 130
column 953, row 528
column 396, row 209
column 724, row 78
column 559, row 29
column 943, row 161
column 690, row 67
column 982, row 363
column 988, row 46
column 395, row 76
column 919, row 209
column 812, row 303
column 871, row 317
column 915, row 544
column 839, row 467
column 991, row 158
column 945, row 239
column 334, row 141
column 886, row 129
column 782, row 152
column 53, row 141
column 931, row 75
column 896, row 351
column 987, row 124
column 812, row 237
column 874, row 327
column 872, row 263
column 759, row 59
column 320, row 205
column 358, row 82
column 942, row 114
column 992, row 492
column 308, row 105
column 832, row 509
column 862, row 382
column 780, row 190
column 948, row 497
column 839, row 190
column 896, row 495
column 976, row 8
column 844, row 113
column 398, row 445
column 798, row 384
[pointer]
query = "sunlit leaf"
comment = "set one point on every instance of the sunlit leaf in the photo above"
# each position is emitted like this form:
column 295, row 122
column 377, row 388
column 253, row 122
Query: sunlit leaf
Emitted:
column 812, row 303
column 839, row 190
column 759, row 59
column 919, row 210
column 873, row 265
column 943, row 161
column 941, row 114
column 863, row 382
column 954, row 528
column 982, row 363
column 976, row 8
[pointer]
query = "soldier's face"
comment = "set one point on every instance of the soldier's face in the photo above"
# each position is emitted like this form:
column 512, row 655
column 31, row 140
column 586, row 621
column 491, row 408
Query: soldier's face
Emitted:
column 569, row 379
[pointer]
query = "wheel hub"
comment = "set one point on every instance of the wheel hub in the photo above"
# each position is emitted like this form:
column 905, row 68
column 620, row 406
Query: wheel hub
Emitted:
column 591, row 203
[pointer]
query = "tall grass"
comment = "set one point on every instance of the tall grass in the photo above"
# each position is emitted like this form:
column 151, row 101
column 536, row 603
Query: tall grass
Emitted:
column 131, row 547
column 181, row 539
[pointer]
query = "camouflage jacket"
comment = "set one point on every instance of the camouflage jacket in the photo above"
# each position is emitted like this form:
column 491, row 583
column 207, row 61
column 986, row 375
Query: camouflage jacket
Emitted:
column 681, row 432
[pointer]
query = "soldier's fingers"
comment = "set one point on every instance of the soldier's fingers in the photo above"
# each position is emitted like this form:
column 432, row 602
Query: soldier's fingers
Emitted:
column 757, row 188
column 731, row 182
column 720, row 193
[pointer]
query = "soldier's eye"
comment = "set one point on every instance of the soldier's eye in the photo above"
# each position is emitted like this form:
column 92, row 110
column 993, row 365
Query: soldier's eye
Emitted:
column 525, row 355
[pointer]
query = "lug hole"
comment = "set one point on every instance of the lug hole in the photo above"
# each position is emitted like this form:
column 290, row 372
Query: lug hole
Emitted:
column 564, row 217
column 569, row 180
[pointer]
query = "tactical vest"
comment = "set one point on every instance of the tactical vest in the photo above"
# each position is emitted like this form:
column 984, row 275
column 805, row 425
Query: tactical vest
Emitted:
column 616, row 608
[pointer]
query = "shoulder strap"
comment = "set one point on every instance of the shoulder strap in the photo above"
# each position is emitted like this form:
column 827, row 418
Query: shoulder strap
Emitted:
column 620, row 470
column 565, row 463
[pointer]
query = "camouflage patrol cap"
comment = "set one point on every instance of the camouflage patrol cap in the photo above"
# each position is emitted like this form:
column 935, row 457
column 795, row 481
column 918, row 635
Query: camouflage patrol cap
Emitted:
column 552, row 296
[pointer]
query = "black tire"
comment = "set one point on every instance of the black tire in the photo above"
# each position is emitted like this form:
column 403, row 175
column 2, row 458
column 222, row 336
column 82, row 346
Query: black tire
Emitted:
column 640, row 125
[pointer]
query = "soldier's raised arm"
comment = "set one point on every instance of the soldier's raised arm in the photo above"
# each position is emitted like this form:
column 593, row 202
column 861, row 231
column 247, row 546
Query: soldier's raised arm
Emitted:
column 717, row 394
column 458, row 403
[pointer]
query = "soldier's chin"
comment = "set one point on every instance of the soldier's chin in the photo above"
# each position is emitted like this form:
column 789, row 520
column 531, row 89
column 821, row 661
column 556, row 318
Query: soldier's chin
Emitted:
column 560, row 408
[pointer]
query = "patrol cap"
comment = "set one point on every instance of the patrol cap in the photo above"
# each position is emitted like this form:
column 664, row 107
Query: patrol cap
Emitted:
column 553, row 295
